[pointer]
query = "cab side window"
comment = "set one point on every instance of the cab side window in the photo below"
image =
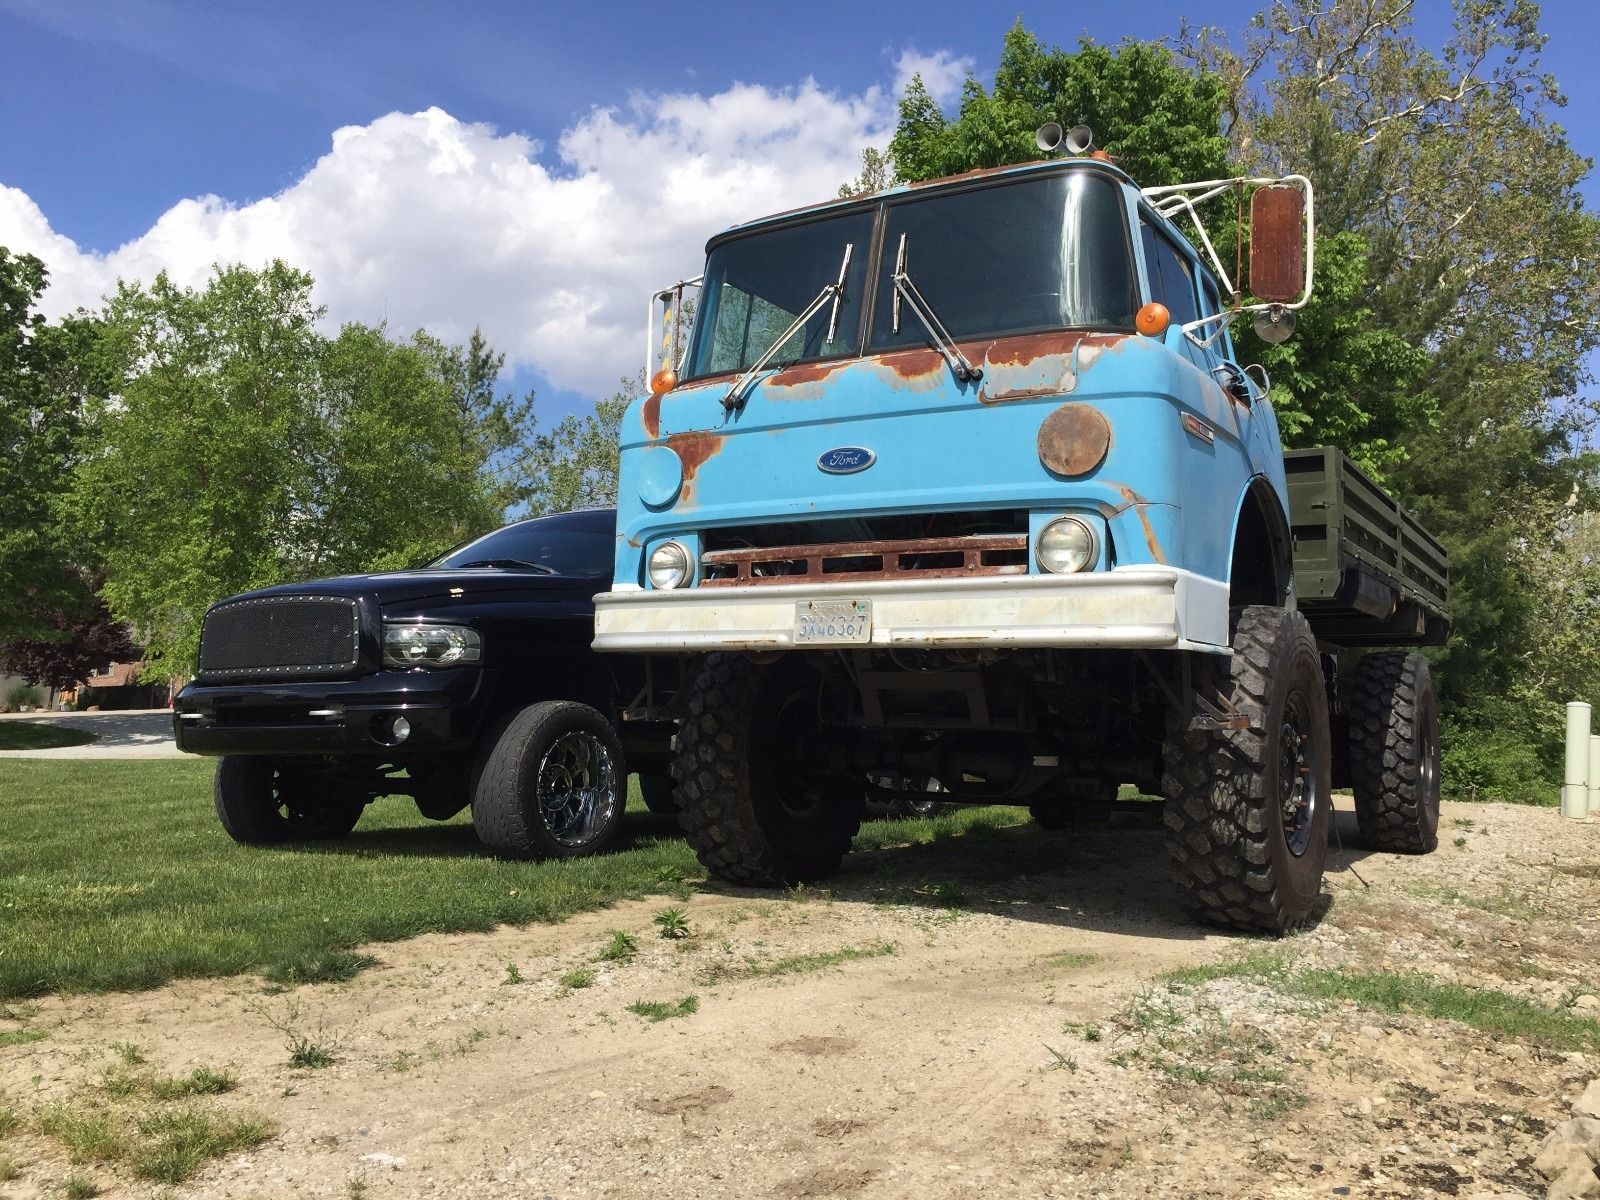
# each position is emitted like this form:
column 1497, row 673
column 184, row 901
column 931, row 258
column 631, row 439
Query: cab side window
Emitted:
column 1223, row 346
column 1171, row 280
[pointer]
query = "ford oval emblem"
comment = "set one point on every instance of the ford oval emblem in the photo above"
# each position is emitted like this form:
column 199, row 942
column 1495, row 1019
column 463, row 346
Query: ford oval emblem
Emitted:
column 845, row 460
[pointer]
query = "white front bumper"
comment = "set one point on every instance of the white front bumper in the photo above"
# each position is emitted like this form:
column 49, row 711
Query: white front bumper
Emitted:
column 1137, row 607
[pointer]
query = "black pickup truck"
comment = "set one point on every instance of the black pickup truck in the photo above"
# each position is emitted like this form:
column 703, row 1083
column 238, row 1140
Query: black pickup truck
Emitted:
column 466, row 682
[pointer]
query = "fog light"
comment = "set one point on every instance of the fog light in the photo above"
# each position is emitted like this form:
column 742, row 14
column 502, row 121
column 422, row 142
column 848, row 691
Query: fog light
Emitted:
column 1065, row 545
column 669, row 566
column 400, row 730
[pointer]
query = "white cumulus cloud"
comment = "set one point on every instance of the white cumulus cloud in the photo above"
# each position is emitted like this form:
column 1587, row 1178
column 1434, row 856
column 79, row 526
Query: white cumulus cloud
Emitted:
column 427, row 221
column 942, row 73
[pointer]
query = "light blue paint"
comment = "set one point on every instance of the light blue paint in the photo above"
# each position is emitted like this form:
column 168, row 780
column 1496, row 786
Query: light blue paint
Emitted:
column 1161, row 495
column 658, row 476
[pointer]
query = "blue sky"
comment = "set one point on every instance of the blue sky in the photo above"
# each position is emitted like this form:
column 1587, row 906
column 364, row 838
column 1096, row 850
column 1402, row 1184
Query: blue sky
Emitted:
column 581, row 153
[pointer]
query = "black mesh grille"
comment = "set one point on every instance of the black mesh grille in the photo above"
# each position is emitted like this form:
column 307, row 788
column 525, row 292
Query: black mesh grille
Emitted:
column 281, row 636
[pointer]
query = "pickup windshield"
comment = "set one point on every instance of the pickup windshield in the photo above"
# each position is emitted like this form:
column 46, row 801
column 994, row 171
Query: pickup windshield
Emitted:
column 1016, row 256
column 568, row 544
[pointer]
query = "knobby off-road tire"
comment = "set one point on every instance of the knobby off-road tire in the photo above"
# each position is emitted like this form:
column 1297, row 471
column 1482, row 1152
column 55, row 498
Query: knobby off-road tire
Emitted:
column 754, row 810
column 260, row 805
column 1075, row 805
column 659, row 793
column 1394, row 752
column 551, row 783
column 1247, row 811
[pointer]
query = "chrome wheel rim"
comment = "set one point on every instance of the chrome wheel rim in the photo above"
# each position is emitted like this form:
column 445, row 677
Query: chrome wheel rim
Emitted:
column 576, row 789
column 1297, row 777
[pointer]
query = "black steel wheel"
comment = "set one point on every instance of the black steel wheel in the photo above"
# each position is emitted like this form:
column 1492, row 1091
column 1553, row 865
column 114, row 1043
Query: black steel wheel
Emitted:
column 551, row 783
column 1248, row 811
column 261, row 801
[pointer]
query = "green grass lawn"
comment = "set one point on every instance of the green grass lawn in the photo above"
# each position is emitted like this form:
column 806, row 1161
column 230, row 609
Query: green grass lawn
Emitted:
column 34, row 735
column 116, row 874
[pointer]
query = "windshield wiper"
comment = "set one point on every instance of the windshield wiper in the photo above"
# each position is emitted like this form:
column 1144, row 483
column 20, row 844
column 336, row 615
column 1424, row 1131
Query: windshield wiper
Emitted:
column 942, row 341
column 506, row 562
column 736, row 394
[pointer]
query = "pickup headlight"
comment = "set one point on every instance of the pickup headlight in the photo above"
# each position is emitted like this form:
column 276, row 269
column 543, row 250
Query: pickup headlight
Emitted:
column 1065, row 545
column 668, row 566
column 430, row 645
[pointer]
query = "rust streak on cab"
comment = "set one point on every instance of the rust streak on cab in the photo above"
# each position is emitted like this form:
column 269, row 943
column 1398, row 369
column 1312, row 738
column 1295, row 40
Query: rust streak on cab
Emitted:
column 1137, row 503
column 650, row 416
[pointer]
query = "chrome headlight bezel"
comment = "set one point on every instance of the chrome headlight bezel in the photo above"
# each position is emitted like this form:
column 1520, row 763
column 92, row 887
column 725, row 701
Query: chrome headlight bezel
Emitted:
column 408, row 644
column 1056, row 556
column 674, row 567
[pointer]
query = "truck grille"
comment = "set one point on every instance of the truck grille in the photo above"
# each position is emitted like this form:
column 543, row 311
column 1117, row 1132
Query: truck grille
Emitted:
column 911, row 558
column 281, row 637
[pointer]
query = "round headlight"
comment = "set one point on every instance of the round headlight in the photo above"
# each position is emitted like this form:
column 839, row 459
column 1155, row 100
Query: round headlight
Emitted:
column 1065, row 545
column 669, row 566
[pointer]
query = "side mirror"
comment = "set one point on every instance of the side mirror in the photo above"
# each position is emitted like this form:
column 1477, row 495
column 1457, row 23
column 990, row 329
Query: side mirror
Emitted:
column 1277, row 244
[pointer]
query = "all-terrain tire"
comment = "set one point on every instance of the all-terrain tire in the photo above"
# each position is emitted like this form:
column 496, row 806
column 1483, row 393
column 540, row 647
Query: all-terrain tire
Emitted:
column 1077, row 804
column 1236, row 857
column 260, row 805
column 752, row 814
column 659, row 793
column 1394, row 752
column 550, row 782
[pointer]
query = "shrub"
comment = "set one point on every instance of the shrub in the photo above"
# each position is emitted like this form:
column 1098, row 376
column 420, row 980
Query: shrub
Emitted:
column 1494, row 763
column 19, row 694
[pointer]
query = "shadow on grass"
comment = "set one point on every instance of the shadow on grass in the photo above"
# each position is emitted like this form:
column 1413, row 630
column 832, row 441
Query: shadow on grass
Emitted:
column 37, row 735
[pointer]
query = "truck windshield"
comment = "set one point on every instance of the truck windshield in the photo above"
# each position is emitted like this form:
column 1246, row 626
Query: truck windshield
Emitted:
column 756, row 286
column 1048, row 252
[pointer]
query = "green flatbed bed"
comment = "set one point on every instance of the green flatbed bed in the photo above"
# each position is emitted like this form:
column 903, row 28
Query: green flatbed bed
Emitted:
column 1366, row 573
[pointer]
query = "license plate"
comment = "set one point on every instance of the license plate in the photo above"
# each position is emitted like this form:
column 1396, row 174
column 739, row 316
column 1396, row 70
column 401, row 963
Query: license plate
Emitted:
column 832, row 622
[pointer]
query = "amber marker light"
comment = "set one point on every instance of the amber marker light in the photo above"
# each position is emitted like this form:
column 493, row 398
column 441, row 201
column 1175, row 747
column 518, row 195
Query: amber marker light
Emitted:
column 663, row 381
column 1152, row 320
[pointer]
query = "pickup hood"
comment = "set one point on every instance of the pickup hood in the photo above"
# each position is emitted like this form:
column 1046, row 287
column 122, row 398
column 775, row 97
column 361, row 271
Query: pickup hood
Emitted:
column 437, row 593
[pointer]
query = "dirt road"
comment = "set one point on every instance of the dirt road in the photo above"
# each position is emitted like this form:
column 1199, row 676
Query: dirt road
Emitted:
column 994, row 1015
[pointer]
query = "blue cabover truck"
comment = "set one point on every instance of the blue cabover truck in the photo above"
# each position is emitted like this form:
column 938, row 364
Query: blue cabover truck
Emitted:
column 960, row 485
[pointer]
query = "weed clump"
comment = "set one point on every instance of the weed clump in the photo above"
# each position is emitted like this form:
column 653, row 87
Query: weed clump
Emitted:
column 663, row 1010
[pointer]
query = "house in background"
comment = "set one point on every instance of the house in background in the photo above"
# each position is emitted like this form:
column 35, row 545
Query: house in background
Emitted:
column 118, row 686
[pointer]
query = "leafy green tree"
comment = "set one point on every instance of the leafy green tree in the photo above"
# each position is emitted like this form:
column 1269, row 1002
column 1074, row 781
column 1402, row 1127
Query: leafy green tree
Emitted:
column 1158, row 119
column 1344, row 378
column 245, row 448
column 1450, row 166
column 82, row 640
column 48, row 372
column 575, row 464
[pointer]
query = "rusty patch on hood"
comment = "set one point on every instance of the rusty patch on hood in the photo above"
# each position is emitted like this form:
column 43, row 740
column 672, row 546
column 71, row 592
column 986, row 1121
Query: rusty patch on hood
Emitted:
column 807, row 382
column 692, row 450
column 1026, row 348
column 650, row 414
column 1041, row 364
column 1137, row 503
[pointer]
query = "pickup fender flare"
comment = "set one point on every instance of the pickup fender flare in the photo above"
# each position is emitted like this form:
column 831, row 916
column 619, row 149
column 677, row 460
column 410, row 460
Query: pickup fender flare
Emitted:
column 1261, row 562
